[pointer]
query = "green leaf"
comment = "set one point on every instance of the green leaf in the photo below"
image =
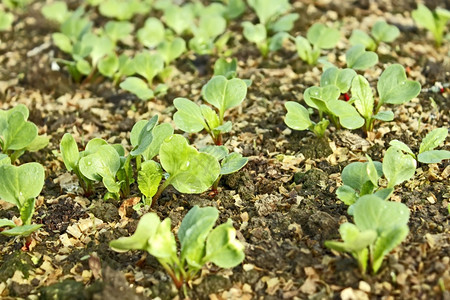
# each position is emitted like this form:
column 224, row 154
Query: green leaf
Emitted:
column 101, row 46
column 162, row 244
column 145, row 137
column 83, row 66
column 394, row 88
column 180, row 19
column 160, row 133
column 424, row 17
column 325, row 94
column 266, row 10
column 385, row 116
column 225, row 68
column 222, row 248
column 402, row 146
column 433, row 156
column 233, row 162
column 397, row 166
column 6, row 20
column 172, row 50
column 219, row 152
column 354, row 239
column 193, row 232
column 189, row 171
column 7, row 223
column 347, row 194
column 4, row 159
column 297, row 116
column 138, row 87
column 285, row 23
column 363, row 96
column 223, row 93
column 188, row 117
column 323, row 37
column 152, row 34
column 27, row 211
column 347, row 114
column 118, row 30
column 149, row 178
column 359, row 59
column 360, row 37
column 62, row 42
column 384, row 194
column 254, row 33
column 433, row 139
column 15, row 132
column 386, row 242
column 146, row 228
column 355, row 175
column 148, row 65
column 56, row 11
column 108, row 65
column 277, row 40
column 374, row 170
column 18, row 184
column 342, row 78
column 384, row 32
column 102, row 165
column 305, row 50
column 24, row 230
column 372, row 213
column 39, row 142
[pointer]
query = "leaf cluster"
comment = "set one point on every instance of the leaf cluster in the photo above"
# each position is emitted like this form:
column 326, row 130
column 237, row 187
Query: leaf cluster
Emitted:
column 435, row 21
column 199, row 243
column 18, row 135
column 381, row 32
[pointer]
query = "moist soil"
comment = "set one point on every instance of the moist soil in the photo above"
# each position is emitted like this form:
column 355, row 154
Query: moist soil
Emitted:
column 282, row 203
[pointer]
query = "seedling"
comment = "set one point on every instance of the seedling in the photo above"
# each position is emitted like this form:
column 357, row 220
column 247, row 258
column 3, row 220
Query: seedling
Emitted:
column 361, row 179
column 381, row 32
column 393, row 88
column 207, row 32
column 258, row 34
column 379, row 227
column 56, row 11
column 434, row 21
column 297, row 118
column 118, row 30
column 200, row 243
column 98, row 162
column 152, row 34
column 427, row 154
column 18, row 135
column 188, row 170
column 358, row 58
column 20, row 186
column 219, row 92
column 229, row 162
column 123, row 9
column 228, row 69
column 317, row 38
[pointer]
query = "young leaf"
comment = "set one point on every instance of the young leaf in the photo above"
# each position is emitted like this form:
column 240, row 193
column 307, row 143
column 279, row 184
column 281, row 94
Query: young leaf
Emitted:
column 397, row 166
column 254, row 33
column 219, row 152
column 359, row 59
column 145, row 137
column 342, row 78
column 56, row 11
column 223, row 93
column 363, row 96
column 222, row 248
column 401, row 146
column 188, row 117
column 433, row 156
column 15, row 132
column 118, row 30
column 24, row 230
column 162, row 244
column 372, row 213
column 297, row 116
column 102, row 165
column 384, row 32
column 394, row 88
column 326, row 93
column 433, row 139
column 225, row 68
column 193, row 232
column 233, row 162
column 148, row 65
column 146, row 228
column 172, row 50
column 386, row 242
column 108, row 65
column 360, row 37
column 305, row 50
column 138, row 87
column 285, row 23
column 323, row 37
column 18, row 184
column 149, row 178
column 347, row 194
column 189, row 171
column 69, row 152
column 266, row 10
column 152, row 34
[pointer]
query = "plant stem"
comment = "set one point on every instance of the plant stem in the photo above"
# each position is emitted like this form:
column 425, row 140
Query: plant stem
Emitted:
column 160, row 190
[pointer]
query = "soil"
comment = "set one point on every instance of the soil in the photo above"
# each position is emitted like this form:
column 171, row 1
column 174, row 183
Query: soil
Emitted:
column 282, row 203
